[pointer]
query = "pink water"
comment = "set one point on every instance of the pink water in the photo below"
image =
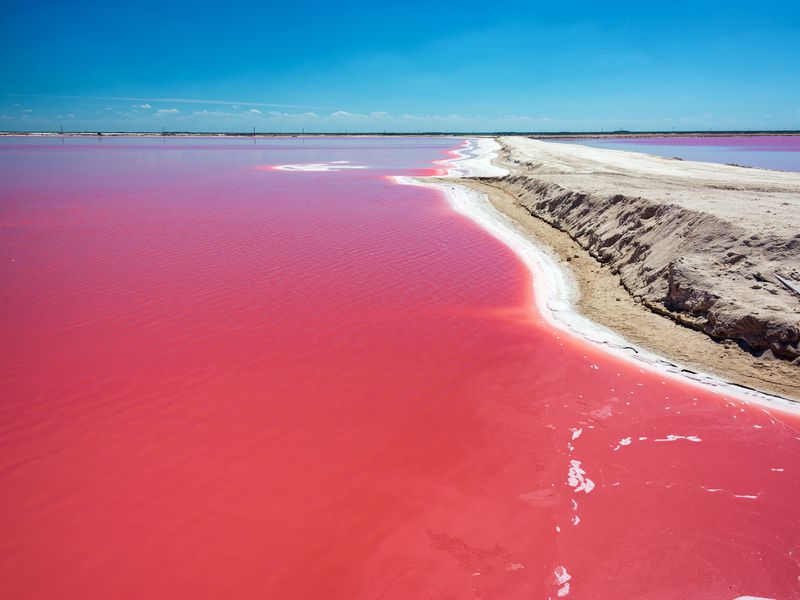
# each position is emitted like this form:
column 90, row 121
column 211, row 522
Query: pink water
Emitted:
column 221, row 380
column 781, row 152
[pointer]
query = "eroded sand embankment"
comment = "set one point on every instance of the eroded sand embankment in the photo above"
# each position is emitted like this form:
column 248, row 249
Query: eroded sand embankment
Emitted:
column 702, row 244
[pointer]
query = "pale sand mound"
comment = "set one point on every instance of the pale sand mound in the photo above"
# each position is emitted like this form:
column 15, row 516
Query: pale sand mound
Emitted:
column 699, row 242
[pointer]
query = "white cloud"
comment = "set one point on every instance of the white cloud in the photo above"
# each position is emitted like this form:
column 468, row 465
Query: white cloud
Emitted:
column 526, row 118
column 453, row 117
column 274, row 114
column 343, row 114
column 234, row 103
column 28, row 110
column 167, row 111
column 214, row 113
column 254, row 111
column 144, row 106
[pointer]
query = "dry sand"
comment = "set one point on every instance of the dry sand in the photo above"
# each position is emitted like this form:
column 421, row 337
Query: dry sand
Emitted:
column 696, row 242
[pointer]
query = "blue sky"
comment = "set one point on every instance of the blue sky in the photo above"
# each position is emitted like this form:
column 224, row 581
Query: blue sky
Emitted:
column 413, row 66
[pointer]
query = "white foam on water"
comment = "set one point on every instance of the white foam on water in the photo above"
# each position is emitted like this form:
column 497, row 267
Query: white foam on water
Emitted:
column 338, row 165
column 562, row 579
column 576, row 478
column 675, row 438
column 743, row 496
column 623, row 442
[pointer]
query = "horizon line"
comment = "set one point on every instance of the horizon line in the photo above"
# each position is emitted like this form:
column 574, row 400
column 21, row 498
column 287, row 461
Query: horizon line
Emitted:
column 176, row 133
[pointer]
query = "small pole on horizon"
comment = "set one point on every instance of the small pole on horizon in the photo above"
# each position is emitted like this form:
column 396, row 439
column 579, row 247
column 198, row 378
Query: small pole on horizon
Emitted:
column 163, row 135
column 254, row 135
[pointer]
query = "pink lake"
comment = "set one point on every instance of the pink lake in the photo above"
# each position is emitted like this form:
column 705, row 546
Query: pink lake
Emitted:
column 223, row 380
column 781, row 152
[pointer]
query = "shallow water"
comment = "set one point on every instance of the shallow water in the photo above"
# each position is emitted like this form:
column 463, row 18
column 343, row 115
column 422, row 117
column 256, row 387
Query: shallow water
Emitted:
column 221, row 379
column 781, row 152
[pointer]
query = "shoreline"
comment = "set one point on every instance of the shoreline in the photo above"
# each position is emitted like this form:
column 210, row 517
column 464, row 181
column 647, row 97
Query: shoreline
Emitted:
column 563, row 294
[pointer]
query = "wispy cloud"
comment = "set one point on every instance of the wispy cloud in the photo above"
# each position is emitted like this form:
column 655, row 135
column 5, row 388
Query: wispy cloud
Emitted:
column 254, row 111
column 284, row 115
column 175, row 101
column 213, row 114
column 167, row 111
column 143, row 106
column 343, row 114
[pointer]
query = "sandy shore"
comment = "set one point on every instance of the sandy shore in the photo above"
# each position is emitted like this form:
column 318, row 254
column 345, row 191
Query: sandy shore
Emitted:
column 714, row 239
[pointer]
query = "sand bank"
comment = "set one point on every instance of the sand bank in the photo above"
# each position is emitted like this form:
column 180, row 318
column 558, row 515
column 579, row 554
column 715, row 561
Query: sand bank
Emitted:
column 580, row 291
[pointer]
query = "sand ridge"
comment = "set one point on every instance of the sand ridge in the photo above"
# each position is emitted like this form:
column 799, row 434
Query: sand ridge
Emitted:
column 620, row 296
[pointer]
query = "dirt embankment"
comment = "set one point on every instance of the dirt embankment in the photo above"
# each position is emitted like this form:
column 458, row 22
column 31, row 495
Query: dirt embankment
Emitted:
column 706, row 245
